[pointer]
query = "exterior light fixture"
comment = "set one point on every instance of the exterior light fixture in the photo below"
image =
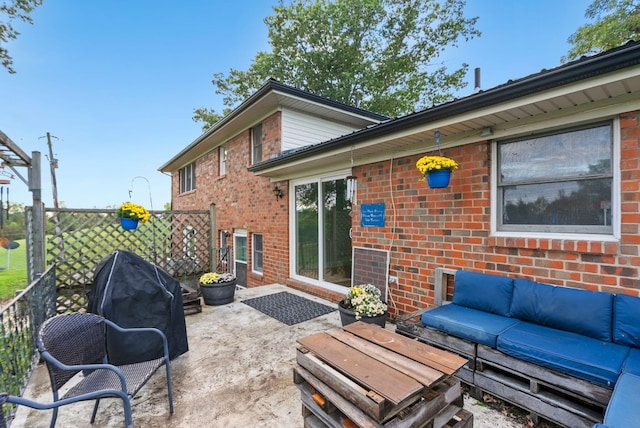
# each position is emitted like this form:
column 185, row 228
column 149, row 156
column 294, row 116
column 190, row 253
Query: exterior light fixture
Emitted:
column 277, row 192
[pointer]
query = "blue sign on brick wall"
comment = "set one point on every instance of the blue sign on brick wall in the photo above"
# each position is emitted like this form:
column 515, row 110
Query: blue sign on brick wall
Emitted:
column 372, row 215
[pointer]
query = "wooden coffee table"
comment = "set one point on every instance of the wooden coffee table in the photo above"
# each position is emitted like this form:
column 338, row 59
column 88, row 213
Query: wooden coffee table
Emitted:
column 363, row 375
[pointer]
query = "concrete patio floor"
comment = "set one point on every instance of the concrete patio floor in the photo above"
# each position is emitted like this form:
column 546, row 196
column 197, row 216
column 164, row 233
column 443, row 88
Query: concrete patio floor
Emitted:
column 237, row 373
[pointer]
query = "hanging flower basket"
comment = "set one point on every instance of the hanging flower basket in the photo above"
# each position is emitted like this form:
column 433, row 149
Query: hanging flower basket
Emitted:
column 438, row 179
column 131, row 214
column 129, row 223
column 436, row 170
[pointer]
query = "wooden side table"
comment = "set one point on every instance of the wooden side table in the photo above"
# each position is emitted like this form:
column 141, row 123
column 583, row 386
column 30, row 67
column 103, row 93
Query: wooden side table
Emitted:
column 365, row 376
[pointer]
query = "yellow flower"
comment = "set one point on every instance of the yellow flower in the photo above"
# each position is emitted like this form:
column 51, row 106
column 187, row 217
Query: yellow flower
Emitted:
column 209, row 278
column 433, row 163
column 216, row 277
column 134, row 211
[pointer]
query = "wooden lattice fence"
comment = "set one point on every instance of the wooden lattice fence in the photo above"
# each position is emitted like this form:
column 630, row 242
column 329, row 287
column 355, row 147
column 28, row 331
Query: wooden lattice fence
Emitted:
column 179, row 242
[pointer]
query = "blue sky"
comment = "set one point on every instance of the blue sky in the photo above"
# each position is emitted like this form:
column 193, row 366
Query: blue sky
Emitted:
column 116, row 81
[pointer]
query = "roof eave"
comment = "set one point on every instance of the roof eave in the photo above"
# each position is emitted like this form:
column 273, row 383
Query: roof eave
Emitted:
column 271, row 85
column 607, row 62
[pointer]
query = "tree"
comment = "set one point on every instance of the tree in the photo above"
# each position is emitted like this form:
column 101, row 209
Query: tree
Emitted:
column 12, row 10
column 378, row 55
column 616, row 21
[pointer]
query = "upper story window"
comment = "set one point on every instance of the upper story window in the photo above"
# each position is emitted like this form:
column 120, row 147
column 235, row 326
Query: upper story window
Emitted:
column 256, row 144
column 223, row 159
column 557, row 183
column 188, row 178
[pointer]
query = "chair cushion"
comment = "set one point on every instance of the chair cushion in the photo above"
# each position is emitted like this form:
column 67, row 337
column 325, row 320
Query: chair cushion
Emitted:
column 623, row 410
column 580, row 356
column 626, row 316
column 472, row 324
column 579, row 311
column 632, row 363
column 482, row 291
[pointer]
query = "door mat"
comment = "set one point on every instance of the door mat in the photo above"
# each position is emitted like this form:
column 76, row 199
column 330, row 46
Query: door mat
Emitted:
column 288, row 308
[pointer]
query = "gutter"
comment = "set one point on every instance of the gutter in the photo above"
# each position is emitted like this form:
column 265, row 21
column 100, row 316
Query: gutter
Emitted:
column 616, row 59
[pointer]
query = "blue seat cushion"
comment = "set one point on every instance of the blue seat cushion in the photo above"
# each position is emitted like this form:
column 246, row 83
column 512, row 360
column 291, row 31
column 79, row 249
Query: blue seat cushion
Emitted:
column 483, row 291
column 580, row 356
column 472, row 324
column 623, row 410
column 632, row 363
column 626, row 328
column 579, row 311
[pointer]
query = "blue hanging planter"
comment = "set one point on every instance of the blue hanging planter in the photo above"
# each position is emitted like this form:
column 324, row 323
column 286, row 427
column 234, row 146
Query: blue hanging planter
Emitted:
column 439, row 178
column 129, row 223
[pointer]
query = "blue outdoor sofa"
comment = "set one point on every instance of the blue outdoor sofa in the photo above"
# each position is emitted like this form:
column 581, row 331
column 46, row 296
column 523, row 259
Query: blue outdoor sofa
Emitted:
column 557, row 352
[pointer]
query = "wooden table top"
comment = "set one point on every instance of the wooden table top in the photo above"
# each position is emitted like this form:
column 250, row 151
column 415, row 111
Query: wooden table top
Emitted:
column 392, row 365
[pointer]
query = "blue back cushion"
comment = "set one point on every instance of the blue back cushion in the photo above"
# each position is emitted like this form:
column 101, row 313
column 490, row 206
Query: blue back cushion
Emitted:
column 632, row 363
column 570, row 309
column 482, row 291
column 623, row 409
column 626, row 320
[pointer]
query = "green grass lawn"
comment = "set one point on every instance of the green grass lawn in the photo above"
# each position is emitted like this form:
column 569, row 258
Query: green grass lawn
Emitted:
column 13, row 275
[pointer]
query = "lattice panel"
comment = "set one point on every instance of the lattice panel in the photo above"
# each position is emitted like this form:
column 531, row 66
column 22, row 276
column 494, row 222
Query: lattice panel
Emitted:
column 178, row 242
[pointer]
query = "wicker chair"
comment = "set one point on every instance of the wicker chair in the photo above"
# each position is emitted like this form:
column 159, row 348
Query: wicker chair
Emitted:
column 76, row 342
column 12, row 399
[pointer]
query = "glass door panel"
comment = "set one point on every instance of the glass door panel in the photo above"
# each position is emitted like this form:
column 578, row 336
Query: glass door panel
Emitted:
column 337, row 233
column 307, row 250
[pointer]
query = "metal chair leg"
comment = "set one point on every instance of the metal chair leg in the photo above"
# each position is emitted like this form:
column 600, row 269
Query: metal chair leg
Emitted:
column 128, row 418
column 54, row 417
column 95, row 410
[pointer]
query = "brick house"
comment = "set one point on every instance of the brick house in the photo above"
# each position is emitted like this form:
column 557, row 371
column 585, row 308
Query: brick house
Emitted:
column 547, row 189
column 212, row 173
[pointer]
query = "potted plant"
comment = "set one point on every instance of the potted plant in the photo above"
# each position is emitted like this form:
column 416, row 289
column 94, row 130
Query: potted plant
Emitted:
column 217, row 288
column 363, row 303
column 130, row 214
column 436, row 169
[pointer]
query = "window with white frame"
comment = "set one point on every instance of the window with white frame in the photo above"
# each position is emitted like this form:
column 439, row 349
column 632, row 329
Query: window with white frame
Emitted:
column 560, row 182
column 188, row 178
column 223, row 159
column 256, row 252
column 256, row 143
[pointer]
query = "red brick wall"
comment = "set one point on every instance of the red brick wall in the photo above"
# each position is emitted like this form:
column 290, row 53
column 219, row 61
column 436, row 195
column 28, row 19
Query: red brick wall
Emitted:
column 244, row 201
column 428, row 228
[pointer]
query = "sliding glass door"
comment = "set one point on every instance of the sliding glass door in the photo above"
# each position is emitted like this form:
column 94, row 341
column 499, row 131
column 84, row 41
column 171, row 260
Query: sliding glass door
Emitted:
column 323, row 232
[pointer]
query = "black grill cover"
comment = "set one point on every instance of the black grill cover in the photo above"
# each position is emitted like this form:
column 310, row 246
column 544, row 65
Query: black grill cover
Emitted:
column 132, row 292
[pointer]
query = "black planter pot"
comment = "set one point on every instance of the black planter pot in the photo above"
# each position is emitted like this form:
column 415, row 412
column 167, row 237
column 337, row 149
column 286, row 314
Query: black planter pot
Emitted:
column 347, row 316
column 218, row 294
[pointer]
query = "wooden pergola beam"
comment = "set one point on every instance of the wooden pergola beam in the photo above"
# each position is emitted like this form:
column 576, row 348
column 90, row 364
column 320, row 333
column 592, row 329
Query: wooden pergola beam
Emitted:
column 19, row 158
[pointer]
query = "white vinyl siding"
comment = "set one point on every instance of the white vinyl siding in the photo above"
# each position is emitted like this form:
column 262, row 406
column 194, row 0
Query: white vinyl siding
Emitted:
column 299, row 129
